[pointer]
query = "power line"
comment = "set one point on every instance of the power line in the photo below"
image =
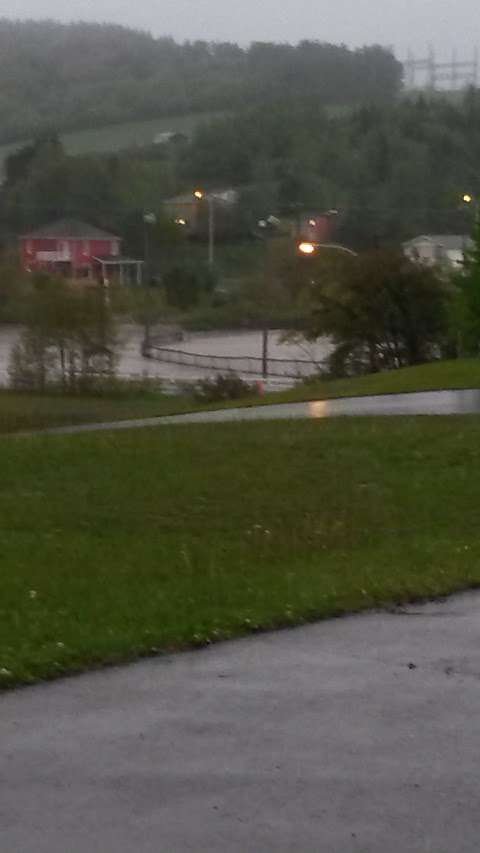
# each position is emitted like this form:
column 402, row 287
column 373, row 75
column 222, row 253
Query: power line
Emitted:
column 428, row 73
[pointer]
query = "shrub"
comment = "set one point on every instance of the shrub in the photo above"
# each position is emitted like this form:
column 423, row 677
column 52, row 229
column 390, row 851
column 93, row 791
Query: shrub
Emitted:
column 225, row 386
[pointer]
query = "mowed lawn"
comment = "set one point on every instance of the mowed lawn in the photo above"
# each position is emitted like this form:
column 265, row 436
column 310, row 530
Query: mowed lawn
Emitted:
column 117, row 545
column 23, row 411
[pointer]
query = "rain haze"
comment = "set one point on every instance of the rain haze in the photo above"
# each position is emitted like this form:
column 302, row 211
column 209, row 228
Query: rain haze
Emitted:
column 403, row 24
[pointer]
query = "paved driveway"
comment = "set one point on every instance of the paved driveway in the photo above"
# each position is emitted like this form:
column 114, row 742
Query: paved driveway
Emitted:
column 359, row 734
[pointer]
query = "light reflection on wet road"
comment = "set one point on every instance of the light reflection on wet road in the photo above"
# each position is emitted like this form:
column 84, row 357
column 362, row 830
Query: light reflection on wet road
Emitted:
column 465, row 402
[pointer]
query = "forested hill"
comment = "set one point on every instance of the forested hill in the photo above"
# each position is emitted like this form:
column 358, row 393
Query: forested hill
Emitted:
column 66, row 77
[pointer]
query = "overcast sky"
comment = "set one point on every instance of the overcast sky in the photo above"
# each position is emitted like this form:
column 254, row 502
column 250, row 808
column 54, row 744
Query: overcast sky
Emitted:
column 447, row 24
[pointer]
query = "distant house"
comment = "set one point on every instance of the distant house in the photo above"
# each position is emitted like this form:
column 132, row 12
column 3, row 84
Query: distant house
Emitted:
column 77, row 250
column 315, row 227
column 191, row 212
column 446, row 249
column 169, row 136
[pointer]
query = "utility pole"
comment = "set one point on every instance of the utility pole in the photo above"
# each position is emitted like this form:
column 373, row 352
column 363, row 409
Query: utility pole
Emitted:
column 200, row 195
column 211, row 231
column 453, row 81
column 265, row 350
column 410, row 70
column 149, row 219
column 432, row 69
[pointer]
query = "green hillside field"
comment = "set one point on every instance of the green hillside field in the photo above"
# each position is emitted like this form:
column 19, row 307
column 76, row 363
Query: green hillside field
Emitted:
column 118, row 137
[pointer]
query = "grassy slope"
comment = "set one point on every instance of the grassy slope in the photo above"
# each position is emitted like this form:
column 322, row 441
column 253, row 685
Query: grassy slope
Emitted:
column 117, row 137
column 26, row 411
column 439, row 375
column 119, row 545
column 19, row 411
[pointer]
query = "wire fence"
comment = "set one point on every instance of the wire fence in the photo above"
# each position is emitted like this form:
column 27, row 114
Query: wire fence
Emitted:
column 289, row 368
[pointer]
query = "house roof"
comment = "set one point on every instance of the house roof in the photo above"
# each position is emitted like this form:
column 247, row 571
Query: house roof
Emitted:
column 449, row 242
column 116, row 260
column 169, row 136
column 70, row 228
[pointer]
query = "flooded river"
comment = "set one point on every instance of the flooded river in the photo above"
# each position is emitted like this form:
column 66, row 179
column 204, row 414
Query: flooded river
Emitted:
column 233, row 344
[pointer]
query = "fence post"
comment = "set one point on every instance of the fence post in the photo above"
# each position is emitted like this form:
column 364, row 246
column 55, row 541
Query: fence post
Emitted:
column 265, row 353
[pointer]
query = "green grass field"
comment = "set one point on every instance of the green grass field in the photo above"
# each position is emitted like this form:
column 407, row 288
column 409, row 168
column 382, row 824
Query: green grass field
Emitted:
column 22, row 411
column 119, row 545
column 118, row 137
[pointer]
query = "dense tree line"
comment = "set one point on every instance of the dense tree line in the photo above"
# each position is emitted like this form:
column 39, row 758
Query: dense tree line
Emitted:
column 85, row 75
column 392, row 172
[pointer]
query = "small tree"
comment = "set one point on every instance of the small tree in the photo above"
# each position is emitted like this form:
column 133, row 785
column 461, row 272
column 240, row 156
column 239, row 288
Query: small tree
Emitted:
column 381, row 310
column 467, row 303
column 69, row 338
column 14, row 289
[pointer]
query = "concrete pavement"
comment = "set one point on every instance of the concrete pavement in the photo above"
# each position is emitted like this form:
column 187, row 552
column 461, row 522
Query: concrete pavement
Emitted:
column 358, row 735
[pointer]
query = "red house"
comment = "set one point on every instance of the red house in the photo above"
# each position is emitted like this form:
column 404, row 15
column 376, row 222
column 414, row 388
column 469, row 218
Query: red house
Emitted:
column 77, row 250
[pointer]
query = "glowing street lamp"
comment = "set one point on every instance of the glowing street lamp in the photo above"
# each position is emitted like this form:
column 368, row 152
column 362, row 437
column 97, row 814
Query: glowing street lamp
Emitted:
column 307, row 248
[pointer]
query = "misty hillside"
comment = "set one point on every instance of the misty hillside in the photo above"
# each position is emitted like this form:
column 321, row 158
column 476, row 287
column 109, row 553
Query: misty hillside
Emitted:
column 67, row 77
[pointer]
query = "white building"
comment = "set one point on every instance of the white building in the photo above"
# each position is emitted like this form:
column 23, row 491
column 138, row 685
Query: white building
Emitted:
column 446, row 249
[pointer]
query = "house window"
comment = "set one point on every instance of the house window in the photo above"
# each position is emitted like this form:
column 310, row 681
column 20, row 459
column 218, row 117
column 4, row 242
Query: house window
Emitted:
column 115, row 249
column 86, row 247
column 29, row 247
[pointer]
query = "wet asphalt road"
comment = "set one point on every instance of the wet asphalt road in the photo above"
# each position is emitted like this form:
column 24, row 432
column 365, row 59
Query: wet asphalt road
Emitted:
column 418, row 403
column 357, row 735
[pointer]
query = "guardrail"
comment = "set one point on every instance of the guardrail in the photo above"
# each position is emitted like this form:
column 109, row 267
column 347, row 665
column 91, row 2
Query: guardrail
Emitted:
column 290, row 368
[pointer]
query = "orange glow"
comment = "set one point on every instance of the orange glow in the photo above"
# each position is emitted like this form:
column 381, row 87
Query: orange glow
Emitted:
column 307, row 248
column 198, row 194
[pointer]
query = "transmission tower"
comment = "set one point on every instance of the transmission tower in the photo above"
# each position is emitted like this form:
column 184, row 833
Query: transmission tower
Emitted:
column 427, row 73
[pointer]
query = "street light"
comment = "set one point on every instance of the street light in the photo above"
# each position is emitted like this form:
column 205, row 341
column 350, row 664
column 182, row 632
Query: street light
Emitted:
column 309, row 249
column 149, row 219
column 200, row 195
